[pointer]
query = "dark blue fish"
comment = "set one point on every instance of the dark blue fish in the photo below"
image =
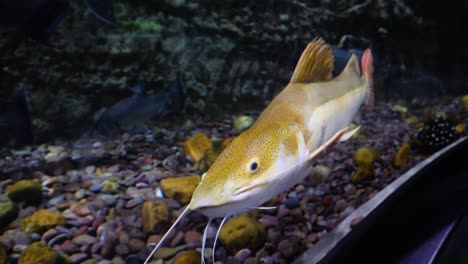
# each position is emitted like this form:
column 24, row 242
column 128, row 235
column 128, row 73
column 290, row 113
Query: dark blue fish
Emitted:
column 133, row 113
column 38, row 18
column 102, row 9
column 15, row 122
column 342, row 57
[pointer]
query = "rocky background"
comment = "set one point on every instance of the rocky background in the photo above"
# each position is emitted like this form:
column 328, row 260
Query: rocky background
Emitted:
column 232, row 55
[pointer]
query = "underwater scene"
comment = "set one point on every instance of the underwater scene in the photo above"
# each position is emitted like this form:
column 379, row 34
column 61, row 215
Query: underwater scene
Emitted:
column 205, row 131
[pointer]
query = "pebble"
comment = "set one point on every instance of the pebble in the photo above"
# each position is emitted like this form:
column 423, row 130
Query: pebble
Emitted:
column 49, row 234
column 133, row 202
column 81, row 209
column 193, row 238
column 133, row 260
column 96, row 187
column 136, row 244
column 243, row 254
column 57, row 199
column 340, row 205
column 69, row 247
column 122, row 250
column 292, row 202
column 57, row 239
column 105, row 261
column 78, row 257
column 84, row 240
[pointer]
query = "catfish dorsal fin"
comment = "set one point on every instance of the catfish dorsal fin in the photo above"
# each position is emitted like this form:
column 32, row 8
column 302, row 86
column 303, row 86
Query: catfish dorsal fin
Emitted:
column 315, row 63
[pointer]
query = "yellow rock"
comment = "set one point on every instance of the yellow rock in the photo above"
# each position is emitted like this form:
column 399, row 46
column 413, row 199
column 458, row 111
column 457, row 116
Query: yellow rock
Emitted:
column 319, row 174
column 156, row 216
column 465, row 101
column 40, row 253
column 197, row 145
column 8, row 212
column 180, row 188
column 362, row 173
column 111, row 185
column 3, row 255
column 364, row 156
column 207, row 160
column 399, row 108
column 188, row 257
column 29, row 191
column 41, row 221
column 402, row 156
column 460, row 128
column 243, row 231
column 242, row 122
column 412, row 119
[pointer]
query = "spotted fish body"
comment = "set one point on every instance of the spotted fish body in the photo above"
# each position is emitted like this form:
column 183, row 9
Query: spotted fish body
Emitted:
column 301, row 119
column 312, row 112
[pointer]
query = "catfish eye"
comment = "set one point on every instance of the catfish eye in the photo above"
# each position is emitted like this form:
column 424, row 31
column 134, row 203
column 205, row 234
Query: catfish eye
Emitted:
column 253, row 166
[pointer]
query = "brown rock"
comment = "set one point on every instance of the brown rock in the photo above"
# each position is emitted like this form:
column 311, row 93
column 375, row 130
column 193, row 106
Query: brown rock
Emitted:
column 188, row 257
column 180, row 188
column 155, row 215
column 40, row 221
column 241, row 232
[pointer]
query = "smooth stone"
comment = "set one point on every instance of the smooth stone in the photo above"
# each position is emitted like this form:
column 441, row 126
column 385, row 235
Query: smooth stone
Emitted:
column 133, row 260
column 54, row 201
column 122, row 250
column 78, row 257
column 96, row 187
column 178, row 238
column 118, row 260
column 136, row 244
column 80, row 194
column 49, row 234
column 105, row 261
column 109, row 199
column 133, row 202
column 68, row 247
column 81, row 209
column 57, row 239
column 19, row 248
column 193, row 238
column 243, row 254
column 340, row 205
column 84, row 240
column 292, row 202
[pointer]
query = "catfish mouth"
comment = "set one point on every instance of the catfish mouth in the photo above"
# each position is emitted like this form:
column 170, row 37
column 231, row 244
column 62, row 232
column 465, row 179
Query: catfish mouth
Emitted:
column 221, row 210
column 248, row 189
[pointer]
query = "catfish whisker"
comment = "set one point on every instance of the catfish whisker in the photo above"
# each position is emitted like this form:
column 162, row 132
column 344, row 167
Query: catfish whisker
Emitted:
column 204, row 241
column 216, row 238
column 186, row 210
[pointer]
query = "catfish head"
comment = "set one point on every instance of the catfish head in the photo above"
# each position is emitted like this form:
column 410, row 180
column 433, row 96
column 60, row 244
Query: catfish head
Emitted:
column 255, row 167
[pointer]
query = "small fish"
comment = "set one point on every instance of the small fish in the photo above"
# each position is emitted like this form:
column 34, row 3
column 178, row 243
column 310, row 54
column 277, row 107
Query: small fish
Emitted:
column 134, row 112
column 312, row 113
column 102, row 9
column 437, row 133
column 15, row 122
column 38, row 18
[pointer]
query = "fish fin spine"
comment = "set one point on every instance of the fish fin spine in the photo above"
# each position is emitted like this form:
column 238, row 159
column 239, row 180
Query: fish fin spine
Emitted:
column 368, row 71
column 315, row 63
